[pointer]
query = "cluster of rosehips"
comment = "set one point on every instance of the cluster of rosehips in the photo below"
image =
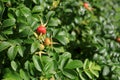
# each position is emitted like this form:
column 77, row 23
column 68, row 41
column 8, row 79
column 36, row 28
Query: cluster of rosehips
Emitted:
column 47, row 42
column 40, row 33
column 41, row 30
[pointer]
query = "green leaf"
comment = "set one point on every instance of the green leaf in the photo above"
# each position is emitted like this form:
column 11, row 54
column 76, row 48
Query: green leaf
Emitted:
column 94, row 72
column 106, row 71
column 89, row 74
column 31, row 68
column 28, row 41
column 8, row 31
column 20, row 50
column 62, row 63
column 24, row 75
column 91, row 64
column 72, row 37
column 68, row 10
column 49, row 14
column 46, row 59
column 63, row 59
column 36, row 1
column 66, row 55
column 86, row 64
column 69, row 73
column 12, row 52
column 2, row 38
column 26, row 31
column 81, row 76
column 117, row 69
column 25, row 11
column 11, row 75
column 27, row 65
column 4, row 45
column 10, row 15
column 5, row 0
column 102, row 50
column 2, row 8
column 54, row 22
column 74, row 64
column 34, row 47
column 59, row 49
column 37, row 9
column 37, row 62
column 8, row 22
column 49, row 68
column 116, row 16
column 95, row 67
column 62, row 39
column 14, row 65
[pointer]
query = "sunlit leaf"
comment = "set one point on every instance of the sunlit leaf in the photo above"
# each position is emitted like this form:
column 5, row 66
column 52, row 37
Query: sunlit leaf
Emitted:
column 4, row 45
column 8, row 22
column 12, row 52
column 14, row 65
column 34, row 47
column 24, row 75
column 74, row 64
column 37, row 62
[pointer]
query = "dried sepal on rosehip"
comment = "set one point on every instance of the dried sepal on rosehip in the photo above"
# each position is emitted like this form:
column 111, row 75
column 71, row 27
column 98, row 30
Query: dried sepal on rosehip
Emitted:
column 35, row 34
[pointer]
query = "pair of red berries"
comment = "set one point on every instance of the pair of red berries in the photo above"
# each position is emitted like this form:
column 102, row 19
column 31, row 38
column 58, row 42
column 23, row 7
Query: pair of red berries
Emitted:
column 41, row 29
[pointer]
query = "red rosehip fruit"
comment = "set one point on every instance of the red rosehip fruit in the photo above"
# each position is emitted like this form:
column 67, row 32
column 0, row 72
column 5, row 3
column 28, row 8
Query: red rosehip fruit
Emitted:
column 86, row 5
column 118, row 39
column 41, row 29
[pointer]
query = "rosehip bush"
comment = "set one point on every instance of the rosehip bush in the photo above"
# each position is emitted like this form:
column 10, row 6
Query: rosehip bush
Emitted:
column 79, row 40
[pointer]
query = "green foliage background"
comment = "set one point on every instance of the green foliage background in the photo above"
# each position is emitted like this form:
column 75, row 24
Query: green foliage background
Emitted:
column 87, row 46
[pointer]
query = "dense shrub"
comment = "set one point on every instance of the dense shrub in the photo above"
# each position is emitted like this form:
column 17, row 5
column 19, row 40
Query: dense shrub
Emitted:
column 78, row 40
